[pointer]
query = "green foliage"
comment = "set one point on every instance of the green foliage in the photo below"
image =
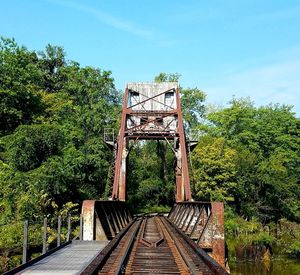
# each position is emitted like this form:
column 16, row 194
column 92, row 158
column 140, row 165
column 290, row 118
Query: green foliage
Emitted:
column 282, row 237
column 51, row 63
column 154, row 209
column 52, row 117
column 11, row 232
column 266, row 146
column 294, row 249
column 214, row 169
column 288, row 236
column 19, row 82
column 53, row 113
column 7, row 263
column 263, row 238
column 52, row 156
column 192, row 106
column 266, row 159
column 164, row 77
column 11, row 235
column 30, row 145
column 150, row 180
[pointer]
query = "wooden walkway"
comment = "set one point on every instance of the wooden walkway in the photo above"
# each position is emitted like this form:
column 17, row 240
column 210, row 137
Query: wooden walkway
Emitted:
column 71, row 259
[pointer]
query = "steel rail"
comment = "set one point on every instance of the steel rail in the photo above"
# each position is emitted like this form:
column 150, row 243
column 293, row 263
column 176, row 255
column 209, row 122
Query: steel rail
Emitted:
column 133, row 251
column 156, row 245
column 209, row 261
column 156, row 235
column 101, row 258
column 192, row 267
column 126, row 251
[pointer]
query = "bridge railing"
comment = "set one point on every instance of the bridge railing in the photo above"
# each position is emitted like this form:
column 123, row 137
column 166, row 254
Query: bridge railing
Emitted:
column 203, row 222
column 103, row 220
column 34, row 238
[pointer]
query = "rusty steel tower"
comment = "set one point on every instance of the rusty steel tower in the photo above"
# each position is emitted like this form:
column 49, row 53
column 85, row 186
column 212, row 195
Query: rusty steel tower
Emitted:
column 152, row 111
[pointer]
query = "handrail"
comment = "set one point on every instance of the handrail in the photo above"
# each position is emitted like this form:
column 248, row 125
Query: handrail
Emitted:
column 56, row 224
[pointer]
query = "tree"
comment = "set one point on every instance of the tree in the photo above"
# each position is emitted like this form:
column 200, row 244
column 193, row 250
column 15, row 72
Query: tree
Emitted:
column 164, row 77
column 150, row 179
column 19, row 83
column 192, row 106
column 51, row 62
column 52, row 120
column 267, row 151
column 215, row 170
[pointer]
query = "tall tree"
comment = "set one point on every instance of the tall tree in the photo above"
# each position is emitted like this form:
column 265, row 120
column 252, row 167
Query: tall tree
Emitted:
column 266, row 141
column 215, row 170
column 19, row 82
column 52, row 120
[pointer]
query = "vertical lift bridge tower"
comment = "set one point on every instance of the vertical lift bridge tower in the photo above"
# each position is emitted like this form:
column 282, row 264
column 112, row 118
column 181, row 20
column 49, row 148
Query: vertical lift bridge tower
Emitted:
column 152, row 111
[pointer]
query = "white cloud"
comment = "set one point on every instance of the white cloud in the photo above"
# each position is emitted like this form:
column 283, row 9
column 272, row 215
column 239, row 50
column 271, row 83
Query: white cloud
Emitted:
column 108, row 19
column 276, row 83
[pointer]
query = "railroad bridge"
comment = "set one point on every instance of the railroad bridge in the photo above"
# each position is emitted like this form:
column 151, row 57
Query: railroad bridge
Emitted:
column 187, row 240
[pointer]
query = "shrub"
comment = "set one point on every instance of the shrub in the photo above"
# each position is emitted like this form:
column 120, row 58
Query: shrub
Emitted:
column 294, row 249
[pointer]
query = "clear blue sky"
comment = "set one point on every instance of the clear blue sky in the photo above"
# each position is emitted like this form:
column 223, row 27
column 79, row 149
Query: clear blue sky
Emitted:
column 226, row 47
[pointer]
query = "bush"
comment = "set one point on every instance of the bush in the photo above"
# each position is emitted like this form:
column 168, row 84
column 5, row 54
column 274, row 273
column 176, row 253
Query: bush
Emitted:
column 263, row 238
column 231, row 227
column 294, row 249
column 155, row 209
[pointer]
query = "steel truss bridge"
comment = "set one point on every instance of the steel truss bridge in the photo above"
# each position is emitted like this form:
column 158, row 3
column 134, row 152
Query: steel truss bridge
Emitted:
column 187, row 240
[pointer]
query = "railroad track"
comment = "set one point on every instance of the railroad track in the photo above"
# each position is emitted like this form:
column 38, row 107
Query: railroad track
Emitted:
column 153, row 246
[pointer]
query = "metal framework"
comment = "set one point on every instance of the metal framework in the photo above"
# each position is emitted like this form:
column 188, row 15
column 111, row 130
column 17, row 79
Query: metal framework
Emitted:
column 203, row 222
column 152, row 111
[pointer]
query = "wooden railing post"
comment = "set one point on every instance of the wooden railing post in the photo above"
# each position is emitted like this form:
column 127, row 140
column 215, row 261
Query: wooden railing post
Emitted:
column 25, row 242
column 45, row 237
column 69, row 229
column 58, row 230
column 80, row 230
